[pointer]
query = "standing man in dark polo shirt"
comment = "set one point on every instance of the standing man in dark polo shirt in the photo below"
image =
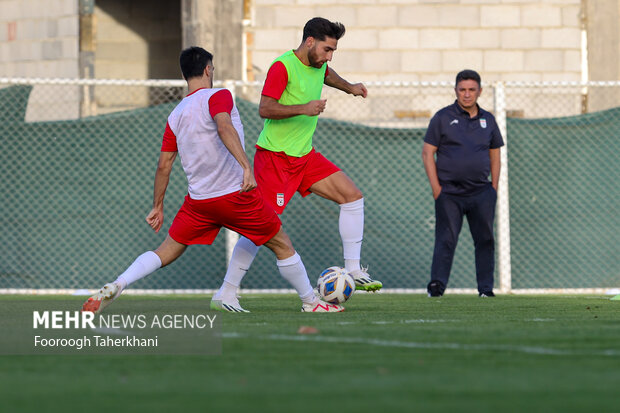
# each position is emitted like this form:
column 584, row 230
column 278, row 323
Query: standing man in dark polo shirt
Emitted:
column 466, row 140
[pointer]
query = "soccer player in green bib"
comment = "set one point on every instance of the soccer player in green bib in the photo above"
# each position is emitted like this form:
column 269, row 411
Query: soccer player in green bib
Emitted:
column 285, row 161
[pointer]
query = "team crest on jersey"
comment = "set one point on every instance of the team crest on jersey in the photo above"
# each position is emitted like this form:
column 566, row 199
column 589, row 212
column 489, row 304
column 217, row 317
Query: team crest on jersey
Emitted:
column 280, row 199
column 483, row 123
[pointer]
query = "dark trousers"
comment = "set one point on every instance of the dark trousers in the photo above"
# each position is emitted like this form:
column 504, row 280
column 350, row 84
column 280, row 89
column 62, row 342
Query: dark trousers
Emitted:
column 480, row 212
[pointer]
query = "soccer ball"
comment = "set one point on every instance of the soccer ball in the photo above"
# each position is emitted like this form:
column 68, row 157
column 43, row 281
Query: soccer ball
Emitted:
column 335, row 285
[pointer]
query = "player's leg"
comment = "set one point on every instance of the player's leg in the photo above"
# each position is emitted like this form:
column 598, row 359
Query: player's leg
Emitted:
column 289, row 264
column 480, row 219
column 293, row 270
column 249, row 215
column 272, row 179
column 338, row 187
column 144, row 265
column 448, row 223
column 240, row 261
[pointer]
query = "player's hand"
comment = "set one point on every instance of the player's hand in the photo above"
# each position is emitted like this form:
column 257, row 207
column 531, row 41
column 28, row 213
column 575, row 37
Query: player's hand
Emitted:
column 359, row 89
column 436, row 193
column 155, row 218
column 249, row 182
column 315, row 107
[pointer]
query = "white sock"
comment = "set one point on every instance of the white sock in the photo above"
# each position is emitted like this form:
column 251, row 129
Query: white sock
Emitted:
column 144, row 265
column 351, row 225
column 352, row 265
column 228, row 293
column 242, row 257
column 293, row 270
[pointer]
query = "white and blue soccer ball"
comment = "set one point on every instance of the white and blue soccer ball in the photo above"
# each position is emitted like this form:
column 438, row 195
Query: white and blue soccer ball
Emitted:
column 335, row 285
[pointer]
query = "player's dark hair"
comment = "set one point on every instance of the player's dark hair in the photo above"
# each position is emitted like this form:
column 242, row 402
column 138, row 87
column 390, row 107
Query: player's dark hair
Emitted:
column 468, row 74
column 194, row 61
column 320, row 28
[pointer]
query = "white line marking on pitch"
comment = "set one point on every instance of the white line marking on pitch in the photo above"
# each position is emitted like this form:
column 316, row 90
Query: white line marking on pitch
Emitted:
column 425, row 321
column 380, row 322
column 420, row 345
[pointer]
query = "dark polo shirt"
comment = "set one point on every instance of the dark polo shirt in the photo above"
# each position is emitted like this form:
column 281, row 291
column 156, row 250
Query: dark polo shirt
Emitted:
column 463, row 143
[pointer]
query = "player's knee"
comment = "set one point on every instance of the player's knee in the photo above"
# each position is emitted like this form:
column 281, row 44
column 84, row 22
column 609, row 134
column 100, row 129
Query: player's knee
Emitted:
column 281, row 245
column 169, row 251
column 285, row 252
column 356, row 195
column 351, row 195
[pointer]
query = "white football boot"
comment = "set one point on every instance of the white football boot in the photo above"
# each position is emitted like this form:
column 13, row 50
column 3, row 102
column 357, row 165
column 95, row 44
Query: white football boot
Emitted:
column 103, row 298
column 218, row 304
column 364, row 282
column 320, row 306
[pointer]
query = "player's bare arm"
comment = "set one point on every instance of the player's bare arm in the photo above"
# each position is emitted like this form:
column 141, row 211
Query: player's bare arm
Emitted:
column 270, row 108
column 494, row 155
column 230, row 138
column 155, row 218
column 333, row 79
column 428, row 158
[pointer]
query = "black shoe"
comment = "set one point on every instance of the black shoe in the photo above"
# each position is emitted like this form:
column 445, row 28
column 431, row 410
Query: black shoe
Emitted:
column 435, row 289
column 486, row 294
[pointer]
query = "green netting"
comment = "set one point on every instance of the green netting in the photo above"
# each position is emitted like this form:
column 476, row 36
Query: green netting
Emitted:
column 564, row 194
column 74, row 195
column 386, row 165
column 74, row 198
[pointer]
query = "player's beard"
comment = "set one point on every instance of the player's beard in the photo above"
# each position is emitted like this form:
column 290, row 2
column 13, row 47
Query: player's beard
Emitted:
column 313, row 58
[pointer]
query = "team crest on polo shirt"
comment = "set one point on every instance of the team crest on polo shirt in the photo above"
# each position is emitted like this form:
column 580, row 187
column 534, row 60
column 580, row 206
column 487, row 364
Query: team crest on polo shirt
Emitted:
column 280, row 199
column 483, row 123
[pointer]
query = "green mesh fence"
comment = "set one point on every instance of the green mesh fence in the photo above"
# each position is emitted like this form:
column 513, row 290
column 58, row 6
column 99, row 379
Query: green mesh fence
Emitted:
column 565, row 192
column 74, row 197
column 75, row 192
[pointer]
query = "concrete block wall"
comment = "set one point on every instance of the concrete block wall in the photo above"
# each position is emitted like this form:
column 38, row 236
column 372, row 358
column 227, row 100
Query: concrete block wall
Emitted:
column 424, row 40
column 39, row 38
column 385, row 39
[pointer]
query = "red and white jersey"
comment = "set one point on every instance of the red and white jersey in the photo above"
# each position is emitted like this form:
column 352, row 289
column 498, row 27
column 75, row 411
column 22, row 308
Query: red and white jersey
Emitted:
column 211, row 169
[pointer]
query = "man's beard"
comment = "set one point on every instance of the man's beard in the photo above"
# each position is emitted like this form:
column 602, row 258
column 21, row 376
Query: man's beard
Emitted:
column 313, row 59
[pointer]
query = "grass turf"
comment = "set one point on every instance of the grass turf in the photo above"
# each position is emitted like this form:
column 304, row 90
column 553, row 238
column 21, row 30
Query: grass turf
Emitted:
column 386, row 352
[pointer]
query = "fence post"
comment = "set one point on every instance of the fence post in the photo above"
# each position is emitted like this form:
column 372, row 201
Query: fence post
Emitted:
column 503, row 207
column 231, row 236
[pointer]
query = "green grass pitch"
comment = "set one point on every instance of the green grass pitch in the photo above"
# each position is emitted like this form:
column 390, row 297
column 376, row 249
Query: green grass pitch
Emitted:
column 386, row 353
